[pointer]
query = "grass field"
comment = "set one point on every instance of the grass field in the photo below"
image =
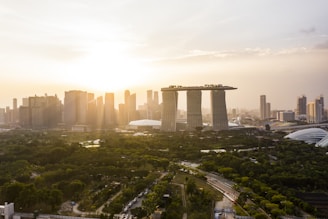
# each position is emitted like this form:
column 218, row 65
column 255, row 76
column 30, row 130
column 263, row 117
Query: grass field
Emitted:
column 180, row 178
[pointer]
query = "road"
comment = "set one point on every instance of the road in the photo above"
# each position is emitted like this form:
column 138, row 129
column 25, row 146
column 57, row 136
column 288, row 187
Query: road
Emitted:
column 230, row 195
column 184, row 200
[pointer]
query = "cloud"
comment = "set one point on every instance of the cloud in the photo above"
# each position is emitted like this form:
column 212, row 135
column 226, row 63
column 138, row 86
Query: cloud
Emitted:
column 195, row 56
column 310, row 30
column 323, row 45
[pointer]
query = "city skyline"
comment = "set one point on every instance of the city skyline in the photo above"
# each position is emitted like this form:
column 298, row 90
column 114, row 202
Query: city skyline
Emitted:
column 279, row 49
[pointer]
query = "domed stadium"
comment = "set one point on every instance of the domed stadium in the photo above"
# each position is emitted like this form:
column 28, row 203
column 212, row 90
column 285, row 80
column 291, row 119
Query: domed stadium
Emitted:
column 311, row 136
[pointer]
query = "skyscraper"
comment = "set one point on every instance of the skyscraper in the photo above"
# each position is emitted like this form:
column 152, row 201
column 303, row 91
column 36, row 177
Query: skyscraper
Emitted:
column 322, row 103
column 169, row 115
column 75, row 107
column 15, row 111
column 301, row 105
column 315, row 112
column 194, row 109
column 219, row 110
column 263, row 107
column 41, row 112
column 268, row 110
column 150, row 104
column 128, row 110
column 110, row 118
column 100, row 112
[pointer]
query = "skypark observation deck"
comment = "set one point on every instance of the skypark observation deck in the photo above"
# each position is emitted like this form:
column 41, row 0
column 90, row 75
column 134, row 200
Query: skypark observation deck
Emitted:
column 194, row 112
column 205, row 87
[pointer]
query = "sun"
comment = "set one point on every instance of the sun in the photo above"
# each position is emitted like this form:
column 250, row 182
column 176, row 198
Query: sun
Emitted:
column 108, row 68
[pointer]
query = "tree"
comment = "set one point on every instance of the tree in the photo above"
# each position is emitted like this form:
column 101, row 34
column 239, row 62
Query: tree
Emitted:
column 191, row 187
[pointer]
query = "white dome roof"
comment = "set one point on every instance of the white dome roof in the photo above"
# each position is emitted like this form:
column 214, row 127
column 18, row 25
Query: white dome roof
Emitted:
column 323, row 142
column 310, row 135
column 145, row 122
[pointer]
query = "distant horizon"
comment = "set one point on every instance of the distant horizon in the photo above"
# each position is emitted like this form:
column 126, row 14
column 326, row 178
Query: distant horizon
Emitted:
column 141, row 95
column 275, row 48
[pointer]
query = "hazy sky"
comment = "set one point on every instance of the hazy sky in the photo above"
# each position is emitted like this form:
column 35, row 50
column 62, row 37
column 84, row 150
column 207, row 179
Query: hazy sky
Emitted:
column 273, row 47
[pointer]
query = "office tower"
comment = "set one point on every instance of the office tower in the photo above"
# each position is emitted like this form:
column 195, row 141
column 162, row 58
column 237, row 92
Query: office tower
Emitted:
column 287, row 116
column 128, row 112
column 156, row 101
column 322, row 103
column 110, row 118
column 150, row 104
column 311, row 112
column 314, row 111
column 219, row 110
column 25, row 101
column 75, row 107
column 149, row 97
column 169, row 114
column 153, row 110
column 301, row 105
column 263, row 107
column 15, row 111
column 122, row 114
column 2, row 116
column 194, row 109
column 268, row 110
column 52, row 111
column 100, row 112
column 92, row 112
column 132, row 110
column 41, row 112
column 156, row 107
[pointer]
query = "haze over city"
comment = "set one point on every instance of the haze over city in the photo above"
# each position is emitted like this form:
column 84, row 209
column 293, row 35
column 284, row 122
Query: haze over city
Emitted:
column 276, row 48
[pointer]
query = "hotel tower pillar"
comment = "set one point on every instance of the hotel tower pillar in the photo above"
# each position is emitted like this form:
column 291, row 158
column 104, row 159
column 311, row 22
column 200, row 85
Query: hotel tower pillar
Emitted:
column 219, row 110
column 169, row 111
column 194, row 109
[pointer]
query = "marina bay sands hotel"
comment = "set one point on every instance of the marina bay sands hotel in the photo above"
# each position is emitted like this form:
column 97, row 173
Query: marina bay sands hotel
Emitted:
column 194, row 111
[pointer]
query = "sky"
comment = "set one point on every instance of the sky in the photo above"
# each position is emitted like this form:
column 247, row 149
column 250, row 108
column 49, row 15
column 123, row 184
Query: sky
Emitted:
column 278, row 48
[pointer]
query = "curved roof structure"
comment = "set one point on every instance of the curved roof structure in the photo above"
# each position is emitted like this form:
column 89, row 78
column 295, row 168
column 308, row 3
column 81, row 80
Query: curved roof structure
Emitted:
column 323, row 142
column 310, row 135
column 145, row 122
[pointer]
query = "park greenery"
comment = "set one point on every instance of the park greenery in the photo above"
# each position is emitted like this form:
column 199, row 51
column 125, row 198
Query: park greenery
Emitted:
column 39, row 170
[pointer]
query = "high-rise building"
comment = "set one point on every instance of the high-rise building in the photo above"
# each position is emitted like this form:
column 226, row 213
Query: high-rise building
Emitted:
column 169, row 115
column 219, row 110
column 322, row 103
column 301, row 105
column 268, row 110
column 110, row 118
column 218, row 106
column 2, row 116
column 263, row 107
column 156, row 100
column 100, row 112
column 150, row 103
column 314, row 111
column 25, row 101
column 287, row 116
column 75, row 107
column 194, row 109
column 92, row 112
column 15, row 111
column 41, row 112
column 128, row 111
column 132, row 110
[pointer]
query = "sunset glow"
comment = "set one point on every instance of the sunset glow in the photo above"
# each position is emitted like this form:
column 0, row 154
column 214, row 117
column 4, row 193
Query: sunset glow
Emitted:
column 113, row 46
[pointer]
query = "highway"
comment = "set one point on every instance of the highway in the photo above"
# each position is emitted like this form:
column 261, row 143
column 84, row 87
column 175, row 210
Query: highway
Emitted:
column 225, row 207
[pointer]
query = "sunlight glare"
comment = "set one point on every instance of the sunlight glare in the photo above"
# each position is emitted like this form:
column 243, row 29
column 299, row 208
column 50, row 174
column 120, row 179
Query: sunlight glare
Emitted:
column 108, row 67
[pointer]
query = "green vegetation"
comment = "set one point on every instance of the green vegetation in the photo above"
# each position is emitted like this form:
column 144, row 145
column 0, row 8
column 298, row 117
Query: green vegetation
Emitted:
column 41, row 170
